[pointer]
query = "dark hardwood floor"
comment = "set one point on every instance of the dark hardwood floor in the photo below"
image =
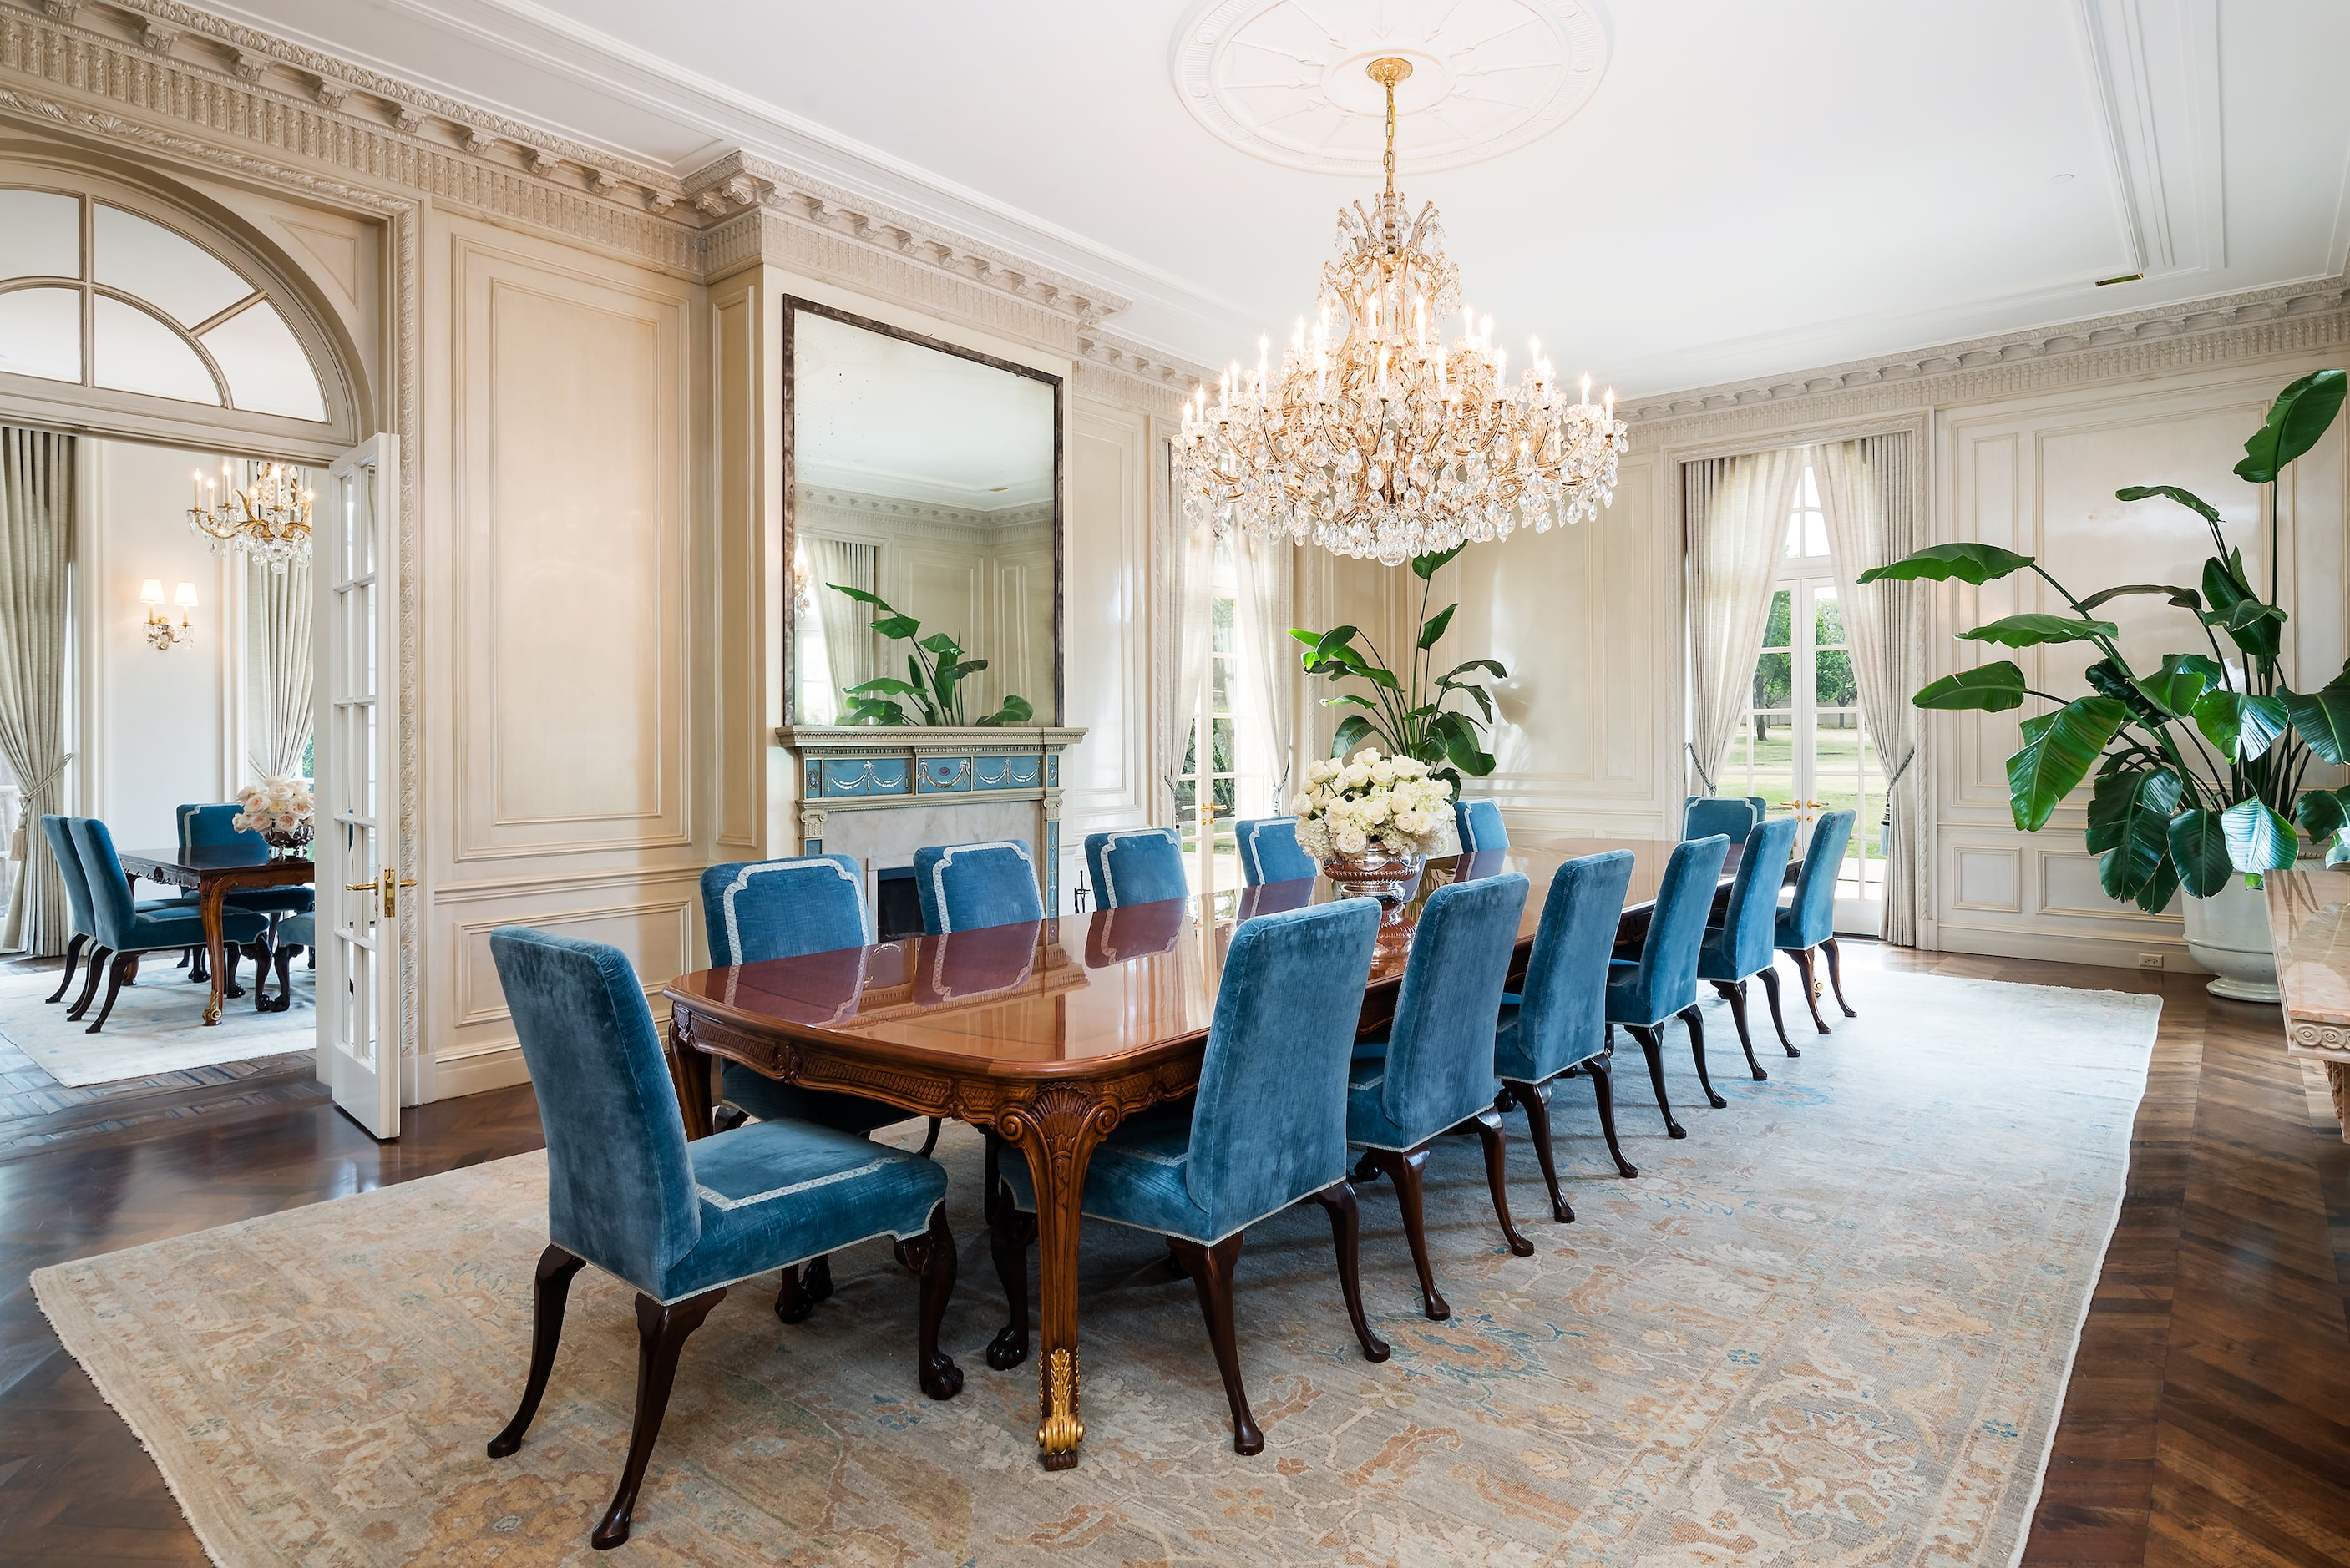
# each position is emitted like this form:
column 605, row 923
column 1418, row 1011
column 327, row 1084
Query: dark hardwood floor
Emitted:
column 2207, row 1422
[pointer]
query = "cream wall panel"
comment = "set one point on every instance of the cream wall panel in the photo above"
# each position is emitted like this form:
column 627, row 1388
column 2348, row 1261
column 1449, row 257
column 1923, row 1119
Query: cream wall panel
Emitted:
column 733, row 592
column 1106, row 608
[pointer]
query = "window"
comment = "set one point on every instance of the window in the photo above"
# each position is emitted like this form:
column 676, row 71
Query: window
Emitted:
column 1804, row 747
column 1237, row 771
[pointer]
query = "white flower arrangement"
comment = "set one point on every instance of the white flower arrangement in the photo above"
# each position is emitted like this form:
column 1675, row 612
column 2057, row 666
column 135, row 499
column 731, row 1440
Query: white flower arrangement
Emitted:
column 281, row 810
column 1346, row 806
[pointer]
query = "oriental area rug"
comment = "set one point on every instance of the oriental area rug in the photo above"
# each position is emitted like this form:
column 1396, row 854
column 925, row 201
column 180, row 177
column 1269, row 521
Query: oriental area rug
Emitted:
column 1833, row 1326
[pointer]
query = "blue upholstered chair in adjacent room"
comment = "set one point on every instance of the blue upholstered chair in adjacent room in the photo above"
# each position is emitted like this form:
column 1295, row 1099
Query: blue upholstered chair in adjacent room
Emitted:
column 966, row 885
column 1438, row 1069
column 1740, row 945
column 201, row 825
column 681, row 1222
column 1269, row 851
column 1136, row 865
column 1732, row 816
column 85, row 929
column 1267, row 1129
column 1479, row 822
column 1662, row 982
column 752, row 910
column 1559, row 1018
column 125, row 932
column 1808, row 921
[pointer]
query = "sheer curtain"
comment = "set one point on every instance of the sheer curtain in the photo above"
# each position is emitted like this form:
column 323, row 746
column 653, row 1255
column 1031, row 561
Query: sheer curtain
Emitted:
column 1265, row 583
column 1181, row 646
column 35, row 534
column 1870, row 490
column 1735, row 511
column 848, row 623
column 278, row 659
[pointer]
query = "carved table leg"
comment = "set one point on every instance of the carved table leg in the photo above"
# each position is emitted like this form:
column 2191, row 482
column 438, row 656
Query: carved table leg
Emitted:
column 1057, row 1132
column 690, row 1066
column 210, row 903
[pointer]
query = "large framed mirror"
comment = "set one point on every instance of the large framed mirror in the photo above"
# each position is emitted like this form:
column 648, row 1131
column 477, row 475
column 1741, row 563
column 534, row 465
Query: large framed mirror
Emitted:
column 926, row 477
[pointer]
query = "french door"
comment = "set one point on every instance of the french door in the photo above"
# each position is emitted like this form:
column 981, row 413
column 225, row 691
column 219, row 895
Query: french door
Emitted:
column 356, row 558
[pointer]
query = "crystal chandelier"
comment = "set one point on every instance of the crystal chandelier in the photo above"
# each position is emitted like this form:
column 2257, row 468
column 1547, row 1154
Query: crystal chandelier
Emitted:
column 1380, row 439
column 266, row 518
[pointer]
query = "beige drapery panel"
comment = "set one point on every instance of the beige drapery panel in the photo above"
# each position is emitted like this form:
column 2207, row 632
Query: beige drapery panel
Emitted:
column 1266, row 609
column 1734, row 511
column 35, row 543
column 277, row 604
column 848, row 650
column 1870, row 489
column 1184, row 565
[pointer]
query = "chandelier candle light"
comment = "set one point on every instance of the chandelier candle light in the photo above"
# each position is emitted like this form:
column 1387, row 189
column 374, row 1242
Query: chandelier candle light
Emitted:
column 268, row 518
column 1378, row 438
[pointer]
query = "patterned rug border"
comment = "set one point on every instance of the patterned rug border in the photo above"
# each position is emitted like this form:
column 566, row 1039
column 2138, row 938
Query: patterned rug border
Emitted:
column 231, row 1537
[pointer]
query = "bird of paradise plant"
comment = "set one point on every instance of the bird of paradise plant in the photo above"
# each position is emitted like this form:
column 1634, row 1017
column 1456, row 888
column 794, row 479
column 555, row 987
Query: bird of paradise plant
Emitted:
column 933, row 685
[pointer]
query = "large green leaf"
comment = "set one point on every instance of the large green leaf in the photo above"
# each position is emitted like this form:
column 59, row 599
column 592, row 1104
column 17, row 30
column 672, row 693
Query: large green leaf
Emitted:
column 1354, row 699
column 887, row 683
column 1015, row 710
column 2258, row 838
column 2137, row 866
column 2059, row 750
column 874, row 710
column 1435, row 625
column 2179, row 684
column 2249, row 624
column 2243, row 727
column 896, row 626
column 1353, row 730
column 2186, row 498
column 1992, row 688
column 941, row 644
column 1494, row 665
column 2185, row 599
column 2031, row 630
column 2295, row 421
column 2322, row 719
column 861, row 597
column 2198, row 844
column 2110, row 799
column 1426, row 567
column 2106, row 679
column 2323, row 813
column 1976, row 564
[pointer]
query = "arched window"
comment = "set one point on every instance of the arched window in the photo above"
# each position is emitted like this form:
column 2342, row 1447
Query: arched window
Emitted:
column 101, row 296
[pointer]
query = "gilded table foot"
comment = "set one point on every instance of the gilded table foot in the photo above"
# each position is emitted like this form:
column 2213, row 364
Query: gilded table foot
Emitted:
column 1060, row 1432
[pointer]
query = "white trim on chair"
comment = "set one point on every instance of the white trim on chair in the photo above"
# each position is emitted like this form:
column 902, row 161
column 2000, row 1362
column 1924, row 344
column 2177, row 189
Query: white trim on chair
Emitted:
column 939, row 871
column 1253, row 860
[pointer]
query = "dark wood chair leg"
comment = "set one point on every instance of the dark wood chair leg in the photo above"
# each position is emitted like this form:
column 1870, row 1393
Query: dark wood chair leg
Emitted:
column 1603, row 1086
column 123, row 971
column 230, row 953
column 1778, row 1021
column 549, row 1294
column 285, row 1002
column 661, row 1334
column 1534, row 1099
column 73, row 953
column 1734, row 993
column 1835, row 975
column 1211, row 1268
column 1009, row 1236
column 931, row 1257
column 1803, row 956
column 263, row 954
column 1497, row 1180
column 1696, row 1021
column 1345, row 1235
column 1653, row 1048
column 803, row 1287
column 187, row 957
column 200, row 966
column 1404, row 1170
column 931, row 1142
column 93, row 971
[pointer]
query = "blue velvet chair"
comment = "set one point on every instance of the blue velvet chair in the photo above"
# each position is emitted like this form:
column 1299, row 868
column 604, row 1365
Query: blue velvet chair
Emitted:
column 204, row 825
column 1662, row 982
column 1136, row 865
column 1437, row 1071
column 1559, row 1019
column 680, row 1223
column 1267, row 1130
column 1732, row 816
column 85, row 928
column 124, row 931
column 1740, row 945
column 1479, row 824
column 1807, row 922
column 752, row 910
column 965, row 885
column 1269, row 851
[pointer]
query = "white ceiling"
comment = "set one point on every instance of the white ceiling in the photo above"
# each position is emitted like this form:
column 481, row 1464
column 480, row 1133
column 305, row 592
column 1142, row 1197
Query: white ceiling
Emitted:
column 1750, row 188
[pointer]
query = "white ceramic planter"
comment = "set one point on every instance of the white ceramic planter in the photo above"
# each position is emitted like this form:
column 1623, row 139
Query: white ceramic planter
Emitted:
column 2228, row 935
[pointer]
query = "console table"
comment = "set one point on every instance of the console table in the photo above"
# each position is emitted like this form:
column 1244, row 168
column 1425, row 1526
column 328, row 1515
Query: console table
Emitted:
column 2309, row 922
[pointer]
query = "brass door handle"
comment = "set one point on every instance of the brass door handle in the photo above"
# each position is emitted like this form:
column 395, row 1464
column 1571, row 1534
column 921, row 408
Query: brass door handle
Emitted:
column 384, row 888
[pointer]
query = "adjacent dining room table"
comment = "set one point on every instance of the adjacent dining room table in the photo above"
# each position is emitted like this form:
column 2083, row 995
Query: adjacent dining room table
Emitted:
column 1006, row 1028
column 212, row 871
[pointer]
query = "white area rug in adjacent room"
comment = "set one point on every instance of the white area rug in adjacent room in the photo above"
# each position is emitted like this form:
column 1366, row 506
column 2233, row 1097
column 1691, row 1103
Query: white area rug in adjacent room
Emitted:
column 158, row 1025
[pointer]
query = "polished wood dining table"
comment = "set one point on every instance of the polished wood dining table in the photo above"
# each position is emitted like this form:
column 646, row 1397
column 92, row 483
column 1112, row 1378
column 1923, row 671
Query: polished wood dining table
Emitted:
column 1045, row 1049
column 213, row 870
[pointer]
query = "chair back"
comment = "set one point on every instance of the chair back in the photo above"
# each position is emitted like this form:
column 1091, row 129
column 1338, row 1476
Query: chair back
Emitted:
column 1269, row 1125
column 112, row 910
column 963, row 886
column 207, row 826
column 620, row 1185
column 1136, row 865
column 1747, row 923
column 1732, row 816
column 1810, row 919
column 1439, row 1068
column 1668, row 980
column 1563, row 1009
column 1479, row 822
column 60, row 834
column 1269, row 850
column 757, row 909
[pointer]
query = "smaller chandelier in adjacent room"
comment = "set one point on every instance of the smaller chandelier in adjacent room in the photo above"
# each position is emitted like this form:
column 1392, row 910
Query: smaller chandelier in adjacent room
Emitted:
column 1380, row 439
column 268, row 517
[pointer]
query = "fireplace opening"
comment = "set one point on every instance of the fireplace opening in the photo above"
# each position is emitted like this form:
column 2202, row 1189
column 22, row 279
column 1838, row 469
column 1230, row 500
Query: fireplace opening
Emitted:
column 896, row 906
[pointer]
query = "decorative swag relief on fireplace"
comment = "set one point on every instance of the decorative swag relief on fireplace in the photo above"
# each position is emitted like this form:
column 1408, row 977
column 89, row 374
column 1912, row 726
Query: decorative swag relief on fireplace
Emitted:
column 926, row 477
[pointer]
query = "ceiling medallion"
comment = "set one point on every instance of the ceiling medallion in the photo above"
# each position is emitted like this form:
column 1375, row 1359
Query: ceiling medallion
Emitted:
column 1283, row 80
column 1378, row 438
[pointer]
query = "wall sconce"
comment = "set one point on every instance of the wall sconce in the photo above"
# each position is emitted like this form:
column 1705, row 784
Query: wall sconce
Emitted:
column 160, row 633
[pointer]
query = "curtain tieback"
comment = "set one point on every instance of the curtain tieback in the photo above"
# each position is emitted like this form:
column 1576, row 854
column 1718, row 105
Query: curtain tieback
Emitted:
column 34, row 792
column 1899, row 770
column 1690, row 747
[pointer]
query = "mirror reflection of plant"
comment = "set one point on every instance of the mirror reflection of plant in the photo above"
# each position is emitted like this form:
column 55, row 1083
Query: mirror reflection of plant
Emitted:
column 1410, row 718
column 2199, row 761
column 935, row 684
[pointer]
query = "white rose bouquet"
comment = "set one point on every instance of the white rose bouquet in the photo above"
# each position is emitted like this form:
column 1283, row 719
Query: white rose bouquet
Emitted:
column 281, row 810
column 1346, row 806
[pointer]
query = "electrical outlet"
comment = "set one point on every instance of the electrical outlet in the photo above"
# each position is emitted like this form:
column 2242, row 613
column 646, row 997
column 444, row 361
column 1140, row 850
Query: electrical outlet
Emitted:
column 2149, row 960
